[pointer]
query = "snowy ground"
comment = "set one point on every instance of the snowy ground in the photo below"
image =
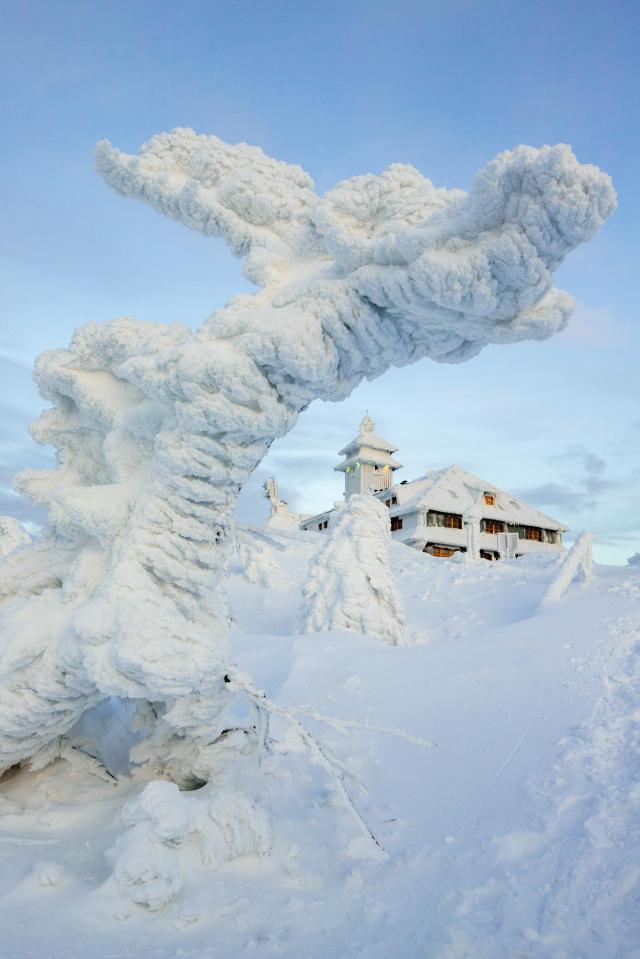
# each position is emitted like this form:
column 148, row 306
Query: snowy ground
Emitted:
column 515, row 836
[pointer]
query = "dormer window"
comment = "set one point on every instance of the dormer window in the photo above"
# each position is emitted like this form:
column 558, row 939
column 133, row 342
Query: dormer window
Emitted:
column 489, row 499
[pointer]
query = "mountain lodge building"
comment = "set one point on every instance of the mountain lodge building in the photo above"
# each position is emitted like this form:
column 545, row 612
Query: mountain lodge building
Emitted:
column 445, row 511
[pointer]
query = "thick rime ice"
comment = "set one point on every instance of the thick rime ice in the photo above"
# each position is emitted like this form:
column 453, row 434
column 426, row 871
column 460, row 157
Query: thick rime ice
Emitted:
column 11, row 535
column 349, row 585
column 577, row 563
column 157, row 428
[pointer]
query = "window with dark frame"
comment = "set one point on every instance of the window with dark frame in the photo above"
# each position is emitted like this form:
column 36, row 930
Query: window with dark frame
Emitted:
column 443, row 551
column 452, row 521
column 493, row 526
column 533, row 533
column 396, row 523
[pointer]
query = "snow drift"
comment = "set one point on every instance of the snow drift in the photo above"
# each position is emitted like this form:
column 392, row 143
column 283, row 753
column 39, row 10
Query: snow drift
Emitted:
column 157, row 428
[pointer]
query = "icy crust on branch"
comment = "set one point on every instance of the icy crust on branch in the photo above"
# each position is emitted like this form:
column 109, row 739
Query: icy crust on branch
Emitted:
column 350, row 585
column 125, row 589
column 260, row 206
column 157, row 428
column 11, row 535
column 453, row 271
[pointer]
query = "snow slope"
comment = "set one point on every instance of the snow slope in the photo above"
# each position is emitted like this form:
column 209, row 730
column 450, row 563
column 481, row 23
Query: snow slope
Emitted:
column 514, row 835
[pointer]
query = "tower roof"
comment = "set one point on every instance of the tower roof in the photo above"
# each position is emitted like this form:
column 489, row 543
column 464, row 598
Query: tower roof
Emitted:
column 368, row 448
column 366, row 437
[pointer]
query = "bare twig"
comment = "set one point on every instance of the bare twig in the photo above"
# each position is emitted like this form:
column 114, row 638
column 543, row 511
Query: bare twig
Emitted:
column 344, row 725
column 239, row 682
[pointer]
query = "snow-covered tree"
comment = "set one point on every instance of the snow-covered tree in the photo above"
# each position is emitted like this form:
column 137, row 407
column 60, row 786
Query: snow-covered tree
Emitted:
column 349, row 585
column 157, row 427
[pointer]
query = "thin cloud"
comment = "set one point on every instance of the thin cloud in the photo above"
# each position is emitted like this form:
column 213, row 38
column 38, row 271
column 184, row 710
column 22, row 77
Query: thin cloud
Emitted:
column 582, row 478
column 597, row 328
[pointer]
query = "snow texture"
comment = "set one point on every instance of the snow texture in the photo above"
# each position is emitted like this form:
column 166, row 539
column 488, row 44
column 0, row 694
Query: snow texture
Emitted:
column 161, row 819
column 519, row 836
column 157, row 428
column 350, row 585
column 11, row 535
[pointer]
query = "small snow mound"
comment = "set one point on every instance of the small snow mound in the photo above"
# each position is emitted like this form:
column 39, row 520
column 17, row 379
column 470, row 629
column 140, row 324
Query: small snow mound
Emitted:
column 241, row 828
column 145, row 870
column 50, row 872
column 163, row 806
column 148, row 857
column 256, row 561
column 518, row 845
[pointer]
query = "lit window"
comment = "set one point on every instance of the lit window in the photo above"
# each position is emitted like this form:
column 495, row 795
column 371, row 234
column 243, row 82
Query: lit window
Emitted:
column 532, row 532
column 440, row 551
column 493, row 526
column 452, row 521
column 489, row 499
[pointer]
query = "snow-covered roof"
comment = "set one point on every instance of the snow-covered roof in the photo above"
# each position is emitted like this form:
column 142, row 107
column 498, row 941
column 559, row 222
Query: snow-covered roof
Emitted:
column 454, row 490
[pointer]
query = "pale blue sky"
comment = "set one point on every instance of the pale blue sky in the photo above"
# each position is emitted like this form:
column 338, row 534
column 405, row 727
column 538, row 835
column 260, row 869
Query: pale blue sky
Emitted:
column 341, row 88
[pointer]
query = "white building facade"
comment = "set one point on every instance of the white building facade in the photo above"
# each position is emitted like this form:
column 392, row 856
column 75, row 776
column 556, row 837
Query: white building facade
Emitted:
column 444, row 512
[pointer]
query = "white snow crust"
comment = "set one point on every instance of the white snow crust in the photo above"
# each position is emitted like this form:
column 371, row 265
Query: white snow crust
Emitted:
column 517, row 835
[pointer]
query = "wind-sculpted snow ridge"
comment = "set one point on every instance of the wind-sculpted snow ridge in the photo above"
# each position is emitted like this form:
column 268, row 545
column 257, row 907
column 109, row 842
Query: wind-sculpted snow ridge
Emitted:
column 350, row 585
column 158, row 428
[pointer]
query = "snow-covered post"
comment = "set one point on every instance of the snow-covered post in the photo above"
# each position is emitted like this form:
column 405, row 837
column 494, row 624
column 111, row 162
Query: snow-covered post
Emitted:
column 471, row 519
column 158, row 428
column 577, row 562
column 350, row 585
